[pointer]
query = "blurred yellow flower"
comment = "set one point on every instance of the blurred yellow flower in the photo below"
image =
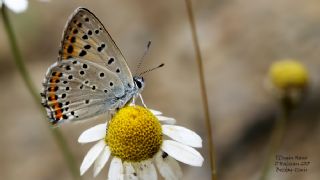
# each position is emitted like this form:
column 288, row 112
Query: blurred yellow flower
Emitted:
column 289, row 74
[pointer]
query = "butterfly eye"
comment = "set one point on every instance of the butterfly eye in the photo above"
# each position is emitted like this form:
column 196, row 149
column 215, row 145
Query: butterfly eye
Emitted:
column 139, row 84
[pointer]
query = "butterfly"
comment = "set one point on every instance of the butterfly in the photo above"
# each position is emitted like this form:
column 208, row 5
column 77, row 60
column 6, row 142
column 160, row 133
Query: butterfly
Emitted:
column 91, row 76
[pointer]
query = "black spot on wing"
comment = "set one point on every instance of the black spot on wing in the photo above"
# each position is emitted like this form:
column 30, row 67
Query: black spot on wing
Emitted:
column 110, row 61
column 87, row 46
column 82, row 53
column 70, row 49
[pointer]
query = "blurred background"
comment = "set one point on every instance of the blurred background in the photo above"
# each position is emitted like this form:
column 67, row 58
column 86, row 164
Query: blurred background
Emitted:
column 239, row 39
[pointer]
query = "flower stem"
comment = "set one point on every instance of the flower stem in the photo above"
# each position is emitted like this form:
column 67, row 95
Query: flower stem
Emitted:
column 203, row 88
column 32, row 90
column 277, row 136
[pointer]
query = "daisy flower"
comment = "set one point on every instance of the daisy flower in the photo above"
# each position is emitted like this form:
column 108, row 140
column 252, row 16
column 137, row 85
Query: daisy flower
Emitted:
column 17, row 6
column 134, row 142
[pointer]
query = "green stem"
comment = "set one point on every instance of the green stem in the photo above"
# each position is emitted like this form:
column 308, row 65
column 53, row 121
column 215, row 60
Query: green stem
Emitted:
column 203, row 89
column 277, row 136
column 33, row 91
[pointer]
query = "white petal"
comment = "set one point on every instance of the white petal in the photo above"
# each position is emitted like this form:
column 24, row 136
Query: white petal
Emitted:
column 129, row 172
column 91, row 156
column 168, row 167
column 94, row 133
column 101, row 161
column 166, row 120
column 145, row 170
column 16, row 6
column 155, row 112
column 116, row 169
column 182, row 153
column 183, row 135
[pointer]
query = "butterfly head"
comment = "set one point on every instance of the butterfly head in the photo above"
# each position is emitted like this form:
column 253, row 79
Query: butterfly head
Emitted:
column 139, row 82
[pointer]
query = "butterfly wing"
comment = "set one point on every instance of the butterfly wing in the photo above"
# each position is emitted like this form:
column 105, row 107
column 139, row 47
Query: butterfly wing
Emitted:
column 85, row 37
column 91, row 74
column 78, row 89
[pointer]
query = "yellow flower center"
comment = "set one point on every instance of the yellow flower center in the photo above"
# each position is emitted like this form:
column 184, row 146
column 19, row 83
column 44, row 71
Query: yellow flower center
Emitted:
column 288, row 74
column 134, row 134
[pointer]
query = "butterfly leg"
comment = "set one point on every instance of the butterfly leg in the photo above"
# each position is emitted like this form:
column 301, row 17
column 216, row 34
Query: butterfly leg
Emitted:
column 110, row 114
column 140, row 96
column 133, row 101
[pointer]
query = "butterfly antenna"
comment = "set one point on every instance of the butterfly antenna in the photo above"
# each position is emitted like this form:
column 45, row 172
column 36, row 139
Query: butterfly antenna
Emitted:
column 142, row 58
column 144, row 72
